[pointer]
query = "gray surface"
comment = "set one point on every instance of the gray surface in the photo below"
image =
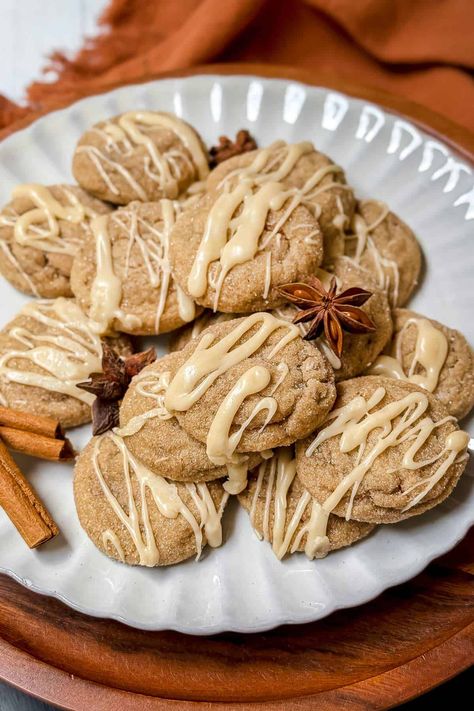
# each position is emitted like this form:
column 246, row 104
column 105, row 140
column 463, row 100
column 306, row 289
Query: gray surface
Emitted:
column 13, row 700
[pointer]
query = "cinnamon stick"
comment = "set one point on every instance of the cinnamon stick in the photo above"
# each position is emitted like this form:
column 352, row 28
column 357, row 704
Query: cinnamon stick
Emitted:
column 22, row 505
column 37, row 445
column 39, row 424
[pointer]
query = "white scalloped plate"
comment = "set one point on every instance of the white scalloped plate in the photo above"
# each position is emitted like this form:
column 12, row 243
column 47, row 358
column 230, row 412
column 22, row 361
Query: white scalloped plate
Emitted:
column 242, row 586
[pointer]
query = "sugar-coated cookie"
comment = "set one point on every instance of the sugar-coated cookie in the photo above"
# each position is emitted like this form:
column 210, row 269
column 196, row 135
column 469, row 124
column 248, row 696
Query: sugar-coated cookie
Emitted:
column 139, row 155
column 44, row 351
column 386, row 452
column 41, row 230
column 138, row 517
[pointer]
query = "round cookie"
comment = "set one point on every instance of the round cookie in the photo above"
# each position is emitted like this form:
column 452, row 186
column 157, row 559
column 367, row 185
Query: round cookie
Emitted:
column 121, row 506
column 330, row 199
column 450, row 372
column 44, row 351
column 388, row 432
column 139, row 155
column 137, row 242
column 384, row 245
column 159, row 441
column 41, row 229
column 255, row 376
column 359, row 349
column 274, row 481
column 255, row 262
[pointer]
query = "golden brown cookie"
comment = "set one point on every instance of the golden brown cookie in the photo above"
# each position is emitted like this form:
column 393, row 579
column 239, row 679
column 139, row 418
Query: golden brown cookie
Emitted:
column 138, row 517
column 282, row 511
column 249, row 385
column 320, row 183
column 157, row 438
column 139, row 155
column 433, row 356
column 232, row 250
column 121, row 276
column 44, row 351
column 387, row 451
column 41, row 229
column 384, row 245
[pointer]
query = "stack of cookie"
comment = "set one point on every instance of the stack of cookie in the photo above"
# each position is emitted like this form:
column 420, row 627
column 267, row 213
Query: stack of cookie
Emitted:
column 295, row 381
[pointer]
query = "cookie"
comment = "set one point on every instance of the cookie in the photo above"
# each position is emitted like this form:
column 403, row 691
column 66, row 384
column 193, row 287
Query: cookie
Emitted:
column 384, row 245
column 138, row 517
column 283, row 512
column 233, row 249
column 41, row 229
column 121, row 275
column 181, row 337
column 249, row 385
column 432, row 356
column 139, row 155
column 387, row 451
column 359, row 350
column 319, row 183
column 44, row 351
column 158, row 440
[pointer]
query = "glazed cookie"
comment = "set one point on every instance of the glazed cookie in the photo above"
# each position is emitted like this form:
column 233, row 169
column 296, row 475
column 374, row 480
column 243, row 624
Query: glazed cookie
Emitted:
column 48, row 348
column 433, row 356
column 181, row 338
column 315, row 180
column 249, row 385
column 284, row 513
column 139, row 155
column 138, row 517
column 41, row 230
column 387, row 451
column 359, row 349
column 158, row 440
column 379, row 241
column 233, row 249
column 121, row 275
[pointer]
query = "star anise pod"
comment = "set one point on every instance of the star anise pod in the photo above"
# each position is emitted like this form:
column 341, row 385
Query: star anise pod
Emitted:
column 329, row 312
column 243, row 143
column 111, row 384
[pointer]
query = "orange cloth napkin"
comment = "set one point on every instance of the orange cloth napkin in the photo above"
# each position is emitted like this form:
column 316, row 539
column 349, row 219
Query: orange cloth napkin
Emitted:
column 420, row 49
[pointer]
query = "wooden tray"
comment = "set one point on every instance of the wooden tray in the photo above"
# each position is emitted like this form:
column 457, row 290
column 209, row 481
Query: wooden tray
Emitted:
column 410, row 639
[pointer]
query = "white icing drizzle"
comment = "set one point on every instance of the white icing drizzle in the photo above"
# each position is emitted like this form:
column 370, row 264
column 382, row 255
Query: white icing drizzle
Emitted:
column 27, row 229
column 153, row 245
column 106, row 290
column 153, row 386
column 399, row 421
column 268, row 275
column 386, row 270
column 236, row 240
column 206, row 364
column 431, row 351
column 136, row 520
column 277, row 475
column 97, row 158
column 284, row 370
column 163, row 168
column 67, row 358
column 209, row 361
column 111, row 538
